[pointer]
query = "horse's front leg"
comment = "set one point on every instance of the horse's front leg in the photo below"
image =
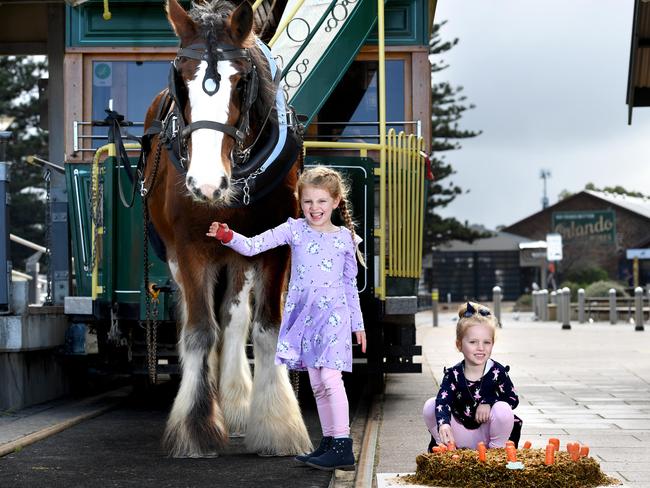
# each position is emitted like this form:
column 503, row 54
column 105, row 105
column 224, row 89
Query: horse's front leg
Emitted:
column 235, row 381
column 195, row 427
column 275, row 424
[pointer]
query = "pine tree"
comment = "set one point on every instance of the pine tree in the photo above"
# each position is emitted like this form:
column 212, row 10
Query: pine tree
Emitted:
column 19, row 76
column 448, row 106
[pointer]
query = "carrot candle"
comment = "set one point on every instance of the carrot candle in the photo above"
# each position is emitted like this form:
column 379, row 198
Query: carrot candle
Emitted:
column 527, row 445
column 482, row 452
column 511, row 453
column 550, row 454
column 584, row 450
column 556, row 442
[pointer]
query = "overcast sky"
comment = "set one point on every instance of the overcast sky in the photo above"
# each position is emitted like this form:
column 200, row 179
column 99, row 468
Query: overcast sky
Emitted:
column 549, row 81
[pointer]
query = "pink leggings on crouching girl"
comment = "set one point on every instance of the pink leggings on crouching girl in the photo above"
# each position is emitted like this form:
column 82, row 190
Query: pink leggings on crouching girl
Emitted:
column 494, row 433
column 331, row 401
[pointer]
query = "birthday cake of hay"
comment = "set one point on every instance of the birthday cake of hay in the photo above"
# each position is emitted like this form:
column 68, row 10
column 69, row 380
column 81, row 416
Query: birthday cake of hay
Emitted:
column 462, row 468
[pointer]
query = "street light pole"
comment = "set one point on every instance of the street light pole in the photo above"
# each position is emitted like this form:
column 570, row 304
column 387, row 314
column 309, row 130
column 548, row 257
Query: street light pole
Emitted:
column 544, row 174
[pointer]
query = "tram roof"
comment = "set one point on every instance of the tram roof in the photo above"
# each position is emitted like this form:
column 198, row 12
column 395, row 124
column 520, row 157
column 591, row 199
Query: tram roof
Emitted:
column 638, row 84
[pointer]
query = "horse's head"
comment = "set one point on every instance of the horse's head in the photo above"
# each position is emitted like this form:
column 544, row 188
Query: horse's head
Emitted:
column 216, row 77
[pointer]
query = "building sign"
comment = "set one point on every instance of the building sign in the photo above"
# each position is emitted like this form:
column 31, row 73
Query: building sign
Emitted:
column 554, row 247
column 595, row 226
column 637, row 253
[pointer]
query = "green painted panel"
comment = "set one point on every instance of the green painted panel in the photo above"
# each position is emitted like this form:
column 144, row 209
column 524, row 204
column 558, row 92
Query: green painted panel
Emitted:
column 323, row 78
column 133, row 23
column 360, row 176
column 405, row 23
column 78, row 186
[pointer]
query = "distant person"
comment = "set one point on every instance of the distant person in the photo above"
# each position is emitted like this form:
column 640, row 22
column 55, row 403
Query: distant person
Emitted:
column 551, row 284
column 476, row 399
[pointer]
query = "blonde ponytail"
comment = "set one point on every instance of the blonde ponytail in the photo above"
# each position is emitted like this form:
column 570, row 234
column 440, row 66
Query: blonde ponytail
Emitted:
column 349, row 224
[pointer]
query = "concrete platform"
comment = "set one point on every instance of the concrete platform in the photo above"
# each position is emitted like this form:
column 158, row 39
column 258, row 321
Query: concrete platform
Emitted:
column 590, row 384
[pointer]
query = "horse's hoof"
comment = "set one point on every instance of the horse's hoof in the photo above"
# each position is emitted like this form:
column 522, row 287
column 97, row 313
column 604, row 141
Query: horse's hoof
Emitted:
column 207, row 455
column 266, row 454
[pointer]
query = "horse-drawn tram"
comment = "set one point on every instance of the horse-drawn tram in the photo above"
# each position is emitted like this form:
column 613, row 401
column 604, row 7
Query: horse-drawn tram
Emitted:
column 344, row 83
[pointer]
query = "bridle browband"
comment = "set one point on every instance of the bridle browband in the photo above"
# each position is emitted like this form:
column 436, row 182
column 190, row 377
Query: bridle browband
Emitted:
column 210, row 84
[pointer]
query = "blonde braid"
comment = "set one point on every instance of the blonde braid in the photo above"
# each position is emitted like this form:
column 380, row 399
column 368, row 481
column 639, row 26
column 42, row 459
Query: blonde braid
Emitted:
column 347, row 218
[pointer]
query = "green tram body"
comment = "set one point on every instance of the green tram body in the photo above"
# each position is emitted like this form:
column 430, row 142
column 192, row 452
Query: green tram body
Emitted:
column 119, row 252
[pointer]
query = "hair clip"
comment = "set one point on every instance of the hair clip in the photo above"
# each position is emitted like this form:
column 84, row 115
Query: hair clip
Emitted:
column 484, row 312
column 469, row 311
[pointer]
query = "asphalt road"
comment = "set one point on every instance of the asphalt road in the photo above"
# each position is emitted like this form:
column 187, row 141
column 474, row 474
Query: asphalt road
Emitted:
column 122, row 448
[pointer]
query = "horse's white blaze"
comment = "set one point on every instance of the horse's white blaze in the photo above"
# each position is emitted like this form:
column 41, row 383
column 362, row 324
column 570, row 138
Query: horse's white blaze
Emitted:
column 275, row 425
column 236, row 383
column 206, row 166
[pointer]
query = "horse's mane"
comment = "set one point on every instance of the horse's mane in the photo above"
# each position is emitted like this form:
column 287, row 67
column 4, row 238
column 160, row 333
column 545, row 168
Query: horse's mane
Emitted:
column 212, row 18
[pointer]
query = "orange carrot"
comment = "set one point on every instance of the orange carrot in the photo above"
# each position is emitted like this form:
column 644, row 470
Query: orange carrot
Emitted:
column 435, row 449
column 527, row 445
column 511, row 453
column 555, row 442
column 510, row 443
column 574, row 450
column 584, row 450
column 443, row 448
column 482, row 452
column 451, row 446
column 550, row 454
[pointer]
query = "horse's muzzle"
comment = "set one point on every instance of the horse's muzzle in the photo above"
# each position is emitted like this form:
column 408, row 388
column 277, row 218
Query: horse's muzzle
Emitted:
column 207, row 192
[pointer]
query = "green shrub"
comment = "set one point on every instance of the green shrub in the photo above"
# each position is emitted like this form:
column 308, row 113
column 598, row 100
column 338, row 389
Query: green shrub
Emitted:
column 586, row 276
column 524, row 302
column 601, row 289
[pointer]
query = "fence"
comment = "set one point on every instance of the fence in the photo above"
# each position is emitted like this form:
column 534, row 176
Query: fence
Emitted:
column 557, row 306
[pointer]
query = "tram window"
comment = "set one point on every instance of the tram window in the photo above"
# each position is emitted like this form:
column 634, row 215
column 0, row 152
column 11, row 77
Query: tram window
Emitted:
column 351, row 112
column 122, row 82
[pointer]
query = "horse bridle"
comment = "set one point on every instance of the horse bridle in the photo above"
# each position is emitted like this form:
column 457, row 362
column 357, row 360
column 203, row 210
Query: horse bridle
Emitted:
column 175, row 125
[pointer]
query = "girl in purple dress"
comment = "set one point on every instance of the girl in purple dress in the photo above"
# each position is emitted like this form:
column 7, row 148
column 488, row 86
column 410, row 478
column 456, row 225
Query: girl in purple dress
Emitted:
column 322, row 306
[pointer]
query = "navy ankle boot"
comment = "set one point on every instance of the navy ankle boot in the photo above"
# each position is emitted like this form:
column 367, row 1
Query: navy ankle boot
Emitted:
column 339, row 456
column 325, row 444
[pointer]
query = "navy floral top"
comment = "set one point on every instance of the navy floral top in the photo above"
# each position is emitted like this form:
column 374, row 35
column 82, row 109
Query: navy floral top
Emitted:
column 461, row 397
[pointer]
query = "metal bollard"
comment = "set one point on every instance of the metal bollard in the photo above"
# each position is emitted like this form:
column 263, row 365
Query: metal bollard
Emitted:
column 638, row 308
column 435, row 297
column 581, row 306
column 559, row 305
column 612, row 306
column 553, row 297
column 496, row 297
column 566, row 308
column 535, row 299
column 544, row 304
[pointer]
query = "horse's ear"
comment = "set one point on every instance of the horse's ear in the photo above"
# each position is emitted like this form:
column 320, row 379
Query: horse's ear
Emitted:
column 241, row 22
column 181, row 22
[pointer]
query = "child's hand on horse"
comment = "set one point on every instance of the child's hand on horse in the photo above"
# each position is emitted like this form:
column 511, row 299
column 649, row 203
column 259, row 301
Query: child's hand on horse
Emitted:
column 483, row 413
column 220, row 231
column 361, row 339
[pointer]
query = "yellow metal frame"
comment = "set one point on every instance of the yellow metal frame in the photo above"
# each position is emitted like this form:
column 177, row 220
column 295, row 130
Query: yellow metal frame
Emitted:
column 401, row 186
column 109, row 150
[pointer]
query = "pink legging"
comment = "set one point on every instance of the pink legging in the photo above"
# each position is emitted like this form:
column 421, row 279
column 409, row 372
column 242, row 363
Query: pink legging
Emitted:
column 495, row 432
column 331, row 401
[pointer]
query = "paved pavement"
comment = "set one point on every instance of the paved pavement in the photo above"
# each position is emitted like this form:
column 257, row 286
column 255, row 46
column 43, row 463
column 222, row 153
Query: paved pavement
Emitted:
column 590, row 384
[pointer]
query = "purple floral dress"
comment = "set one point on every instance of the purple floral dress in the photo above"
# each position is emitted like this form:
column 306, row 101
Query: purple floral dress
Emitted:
column 322, row 306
